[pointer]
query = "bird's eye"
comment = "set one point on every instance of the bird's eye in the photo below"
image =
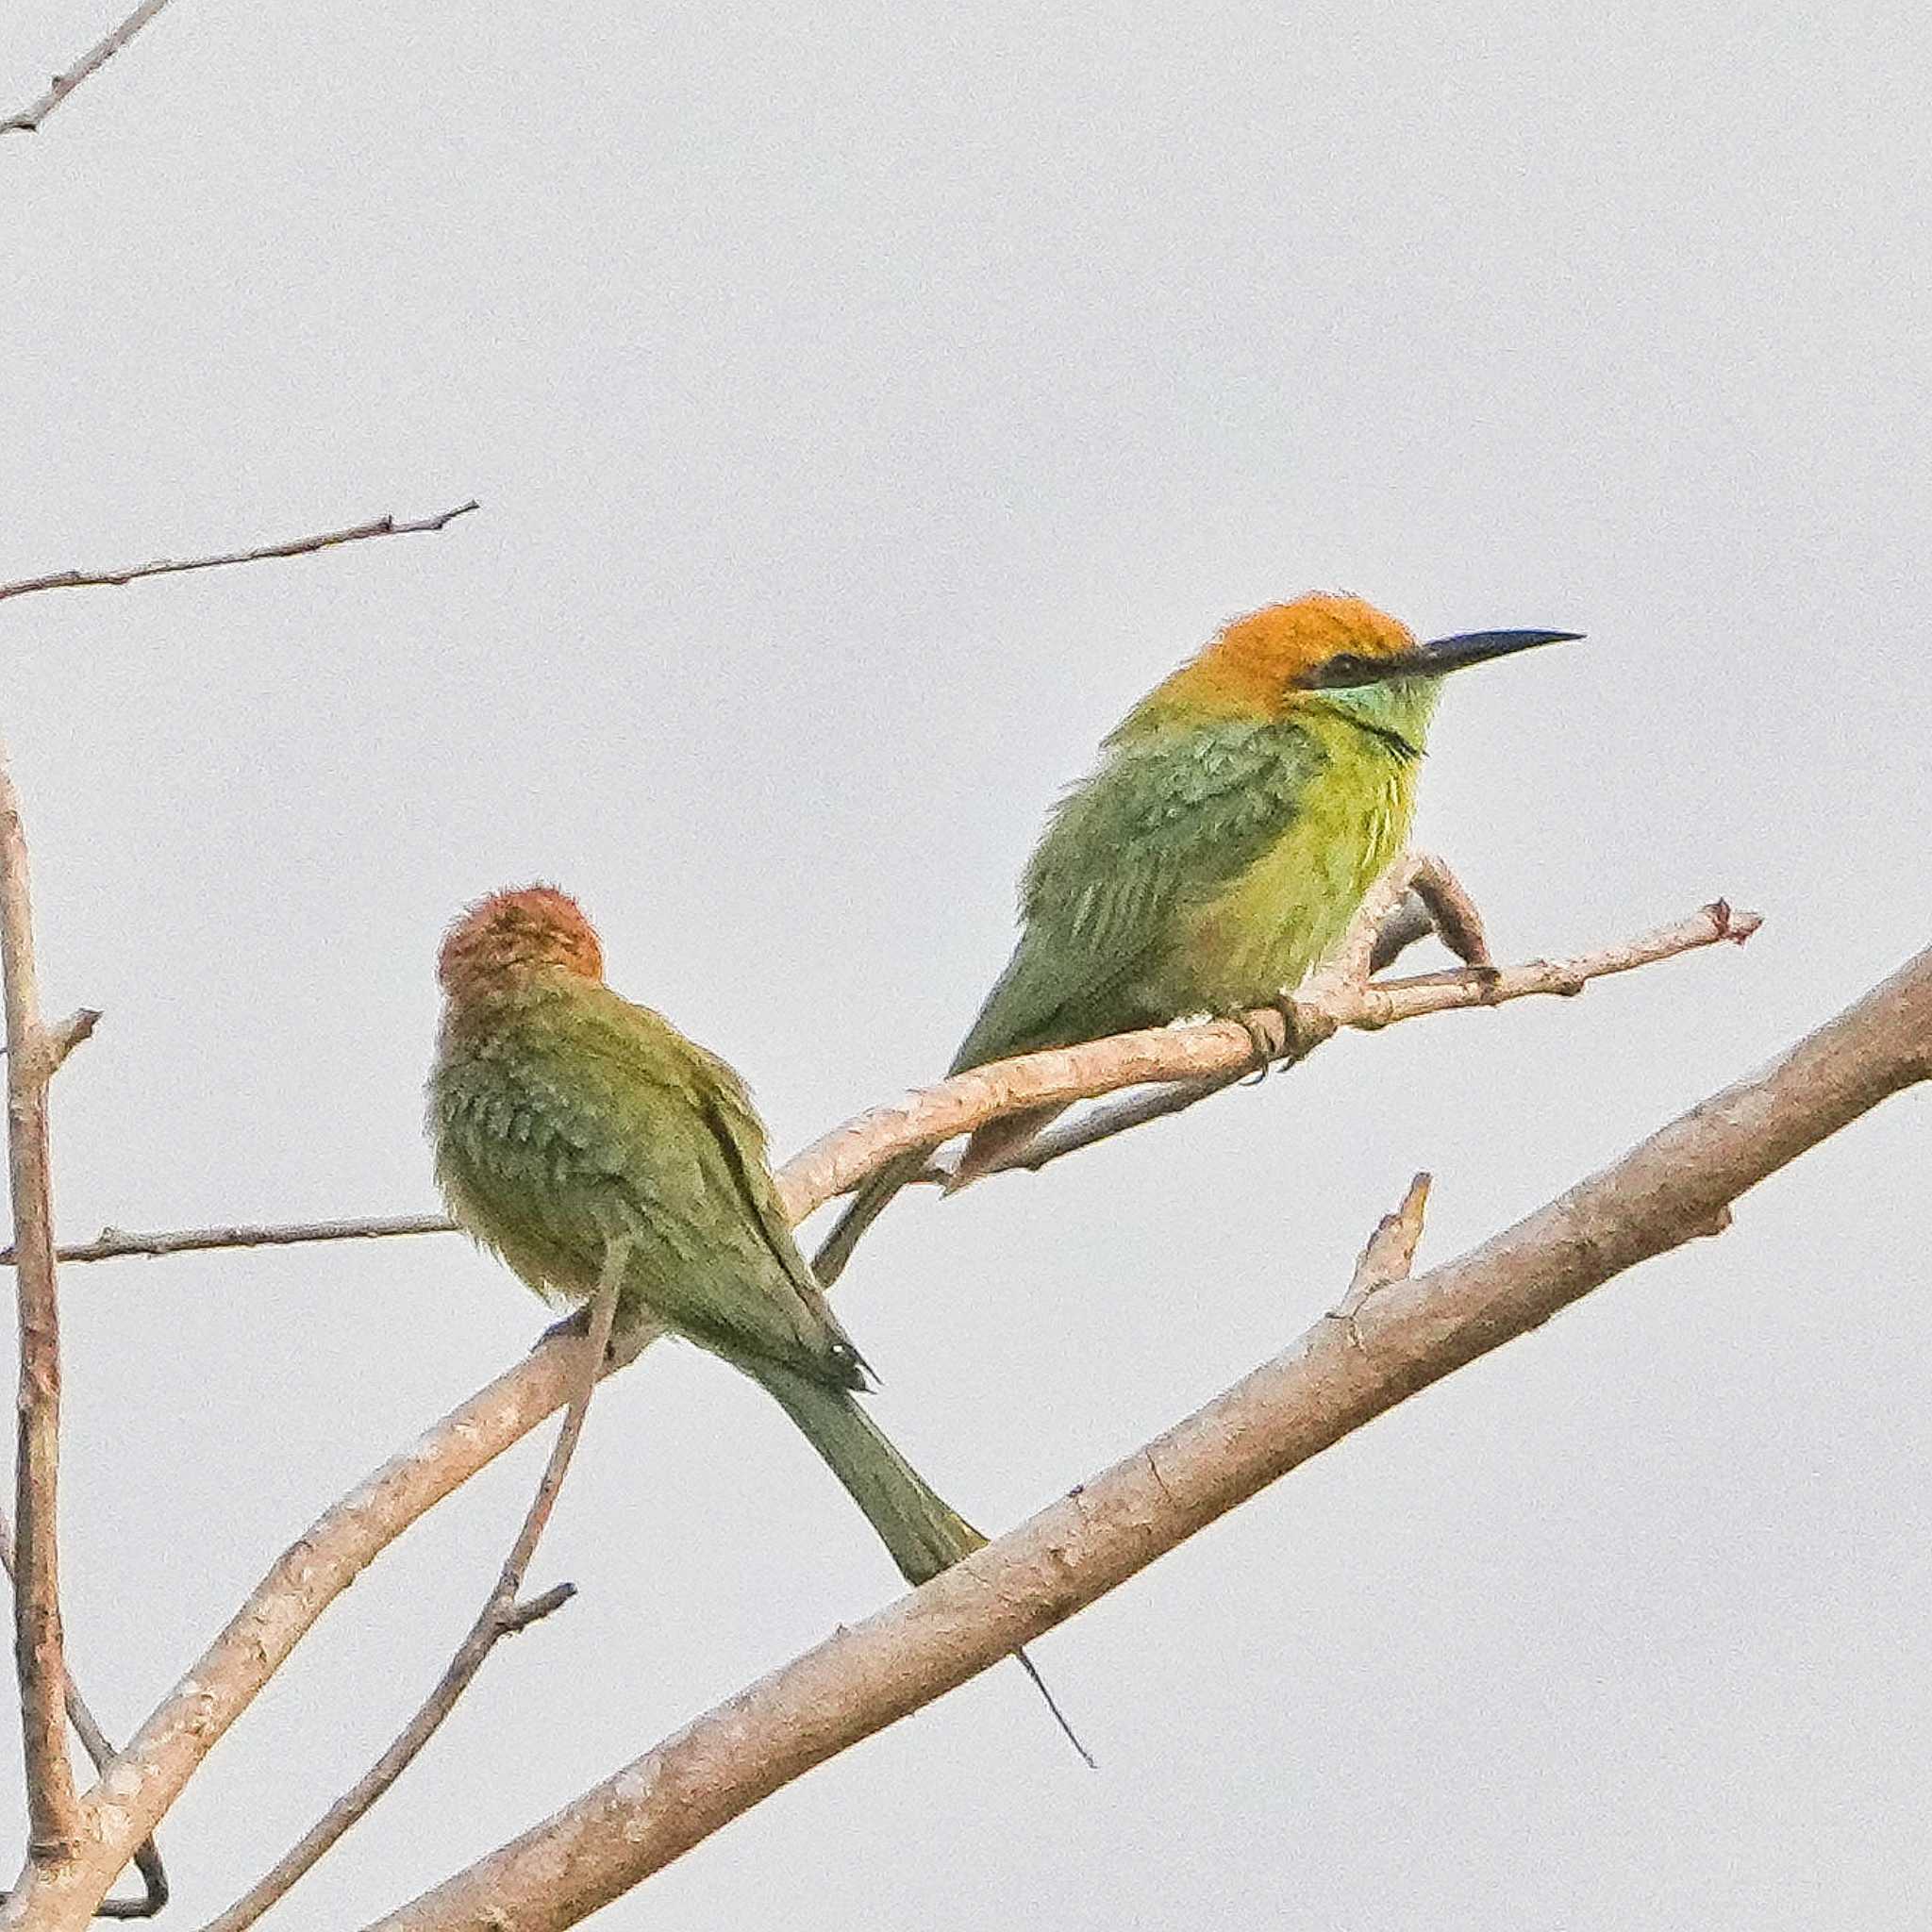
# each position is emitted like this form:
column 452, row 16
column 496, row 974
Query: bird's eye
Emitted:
column 1345, row 669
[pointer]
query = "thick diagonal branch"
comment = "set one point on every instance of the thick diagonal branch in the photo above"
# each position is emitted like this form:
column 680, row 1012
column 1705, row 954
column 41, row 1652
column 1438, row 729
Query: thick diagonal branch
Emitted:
column 1403, row 1335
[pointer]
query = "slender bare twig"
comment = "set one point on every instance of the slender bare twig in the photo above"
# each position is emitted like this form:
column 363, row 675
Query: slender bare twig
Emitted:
column 147, row 1857
column 52, row 1810
column 293, row 546
column 1406, row 1333
column 501, row 1616
column 1210, row 1055
column 117, row 1244
column 28, row 120
column 157, row 1762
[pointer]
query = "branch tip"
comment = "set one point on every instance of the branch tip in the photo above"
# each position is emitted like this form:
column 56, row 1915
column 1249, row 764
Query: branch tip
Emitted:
column 519, row 1616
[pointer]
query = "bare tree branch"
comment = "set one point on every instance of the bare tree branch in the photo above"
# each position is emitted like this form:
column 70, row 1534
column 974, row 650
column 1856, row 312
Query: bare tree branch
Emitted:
column 117, row 1244
column 501, row 1616
column 1210, row 1055
column 52, row 1811
column 155, row 1765
column 28, row 120
column 293, row 546
column 1404, row 1334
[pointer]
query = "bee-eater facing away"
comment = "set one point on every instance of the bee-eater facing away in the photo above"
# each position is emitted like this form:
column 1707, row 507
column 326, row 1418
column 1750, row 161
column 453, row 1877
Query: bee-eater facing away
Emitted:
column 1218, row 851
column 566, row 1121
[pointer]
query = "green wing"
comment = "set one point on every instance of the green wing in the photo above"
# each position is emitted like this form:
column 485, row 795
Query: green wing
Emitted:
column 600, row 1121
column 1169, row 819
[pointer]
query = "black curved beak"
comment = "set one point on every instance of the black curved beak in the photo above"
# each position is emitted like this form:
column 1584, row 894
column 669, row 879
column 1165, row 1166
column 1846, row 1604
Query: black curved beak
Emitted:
column 1433, row 659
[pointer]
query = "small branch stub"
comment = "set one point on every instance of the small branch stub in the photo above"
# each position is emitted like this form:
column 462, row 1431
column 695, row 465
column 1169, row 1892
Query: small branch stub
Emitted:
column 1387, row 1256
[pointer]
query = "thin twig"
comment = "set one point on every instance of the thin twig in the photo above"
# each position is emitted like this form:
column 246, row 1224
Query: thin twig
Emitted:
column 1103, row 1123
column 52, row 1806
column 117, row 1244
column 501, row 1616
column 1670, row 1189
column 294, row 546
column 147, row 1857
column 28, row 120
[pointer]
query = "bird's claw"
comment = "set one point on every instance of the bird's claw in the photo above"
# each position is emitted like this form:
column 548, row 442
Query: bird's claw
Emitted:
column 1263, row 1044
column 1268, row 1055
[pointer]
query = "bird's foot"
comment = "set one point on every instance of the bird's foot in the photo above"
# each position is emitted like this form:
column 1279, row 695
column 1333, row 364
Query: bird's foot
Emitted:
column 1297, row 1038
column 577, row 1323
column 1261, row 1041
column 575, row 1326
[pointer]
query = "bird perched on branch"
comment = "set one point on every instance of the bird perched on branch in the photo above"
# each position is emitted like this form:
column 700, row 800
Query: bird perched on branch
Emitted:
column 1218, row 851
column 567, row 1122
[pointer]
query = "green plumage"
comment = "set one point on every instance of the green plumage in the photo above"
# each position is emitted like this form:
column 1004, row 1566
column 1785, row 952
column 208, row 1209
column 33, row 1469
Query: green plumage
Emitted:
column 1206, row 866
column 564, row 1118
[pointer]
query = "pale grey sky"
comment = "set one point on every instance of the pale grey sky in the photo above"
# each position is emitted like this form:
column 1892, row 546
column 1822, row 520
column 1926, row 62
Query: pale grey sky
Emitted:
column 868, row 404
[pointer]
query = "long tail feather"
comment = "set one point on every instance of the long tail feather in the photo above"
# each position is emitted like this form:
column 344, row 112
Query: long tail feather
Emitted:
column 924, row 1533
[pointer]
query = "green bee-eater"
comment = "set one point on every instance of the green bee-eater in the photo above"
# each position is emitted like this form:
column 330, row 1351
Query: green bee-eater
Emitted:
column 566, row 1121
column 1217, row 853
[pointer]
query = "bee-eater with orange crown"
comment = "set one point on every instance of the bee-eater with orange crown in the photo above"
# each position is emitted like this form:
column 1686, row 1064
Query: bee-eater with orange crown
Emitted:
column 1217, row 853
column 567, row 1122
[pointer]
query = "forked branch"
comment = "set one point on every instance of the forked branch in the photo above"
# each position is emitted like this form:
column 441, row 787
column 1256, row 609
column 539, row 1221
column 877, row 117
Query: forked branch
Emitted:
column 1185, row 1063
column 93, row 1740
column 1204, row 1058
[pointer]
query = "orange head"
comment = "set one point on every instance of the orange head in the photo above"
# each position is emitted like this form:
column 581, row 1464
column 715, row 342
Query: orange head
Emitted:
column 495, row 943
column 1261, row 664
column 1278, row 648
